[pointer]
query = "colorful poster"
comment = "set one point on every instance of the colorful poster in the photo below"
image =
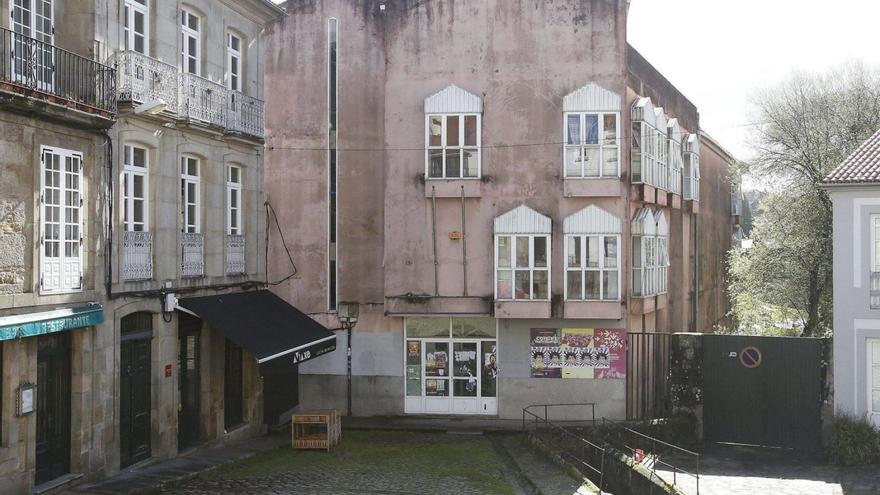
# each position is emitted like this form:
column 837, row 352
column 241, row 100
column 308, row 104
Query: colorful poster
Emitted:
column 544, row 355
column 580, row 355
column 612, row 355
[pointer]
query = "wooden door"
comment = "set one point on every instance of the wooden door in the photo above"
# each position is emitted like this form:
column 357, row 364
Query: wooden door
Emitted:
column 134, row 389
column 189, row 375
column 53, row 407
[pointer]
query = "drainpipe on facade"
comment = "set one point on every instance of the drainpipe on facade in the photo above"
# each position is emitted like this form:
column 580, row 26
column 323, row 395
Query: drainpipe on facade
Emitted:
column 695, row 312
column 434, row 238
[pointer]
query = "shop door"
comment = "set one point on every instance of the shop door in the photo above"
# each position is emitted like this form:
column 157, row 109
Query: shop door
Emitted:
column 134, row 389
column 53, row 407
column 436, row 378
column 465, row 382
column 189, row 376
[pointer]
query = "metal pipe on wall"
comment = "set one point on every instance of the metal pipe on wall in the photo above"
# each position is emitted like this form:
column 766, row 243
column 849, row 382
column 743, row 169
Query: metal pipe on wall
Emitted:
column 434, row 239
column 464, row 243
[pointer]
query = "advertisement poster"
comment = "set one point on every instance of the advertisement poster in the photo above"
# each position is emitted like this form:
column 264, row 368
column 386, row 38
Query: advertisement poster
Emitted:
column 584, row 353
column 545, row 358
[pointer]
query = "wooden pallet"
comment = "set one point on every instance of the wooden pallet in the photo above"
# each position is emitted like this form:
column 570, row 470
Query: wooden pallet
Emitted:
column 316, row 430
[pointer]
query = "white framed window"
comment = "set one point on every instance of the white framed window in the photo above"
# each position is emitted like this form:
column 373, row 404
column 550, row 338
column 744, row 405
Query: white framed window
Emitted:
column 591, row 144
column 190, row 195
column 135, row 185
column 452, row 146
column 136, row 26
column 35, row 19
column 592, row 267
column 522, row 267
column 650, row 253
column 692, row 168
column 874, row 294
column 675, row 158
column 233, row 61
column 234, row 220
column 61, row 220
column 190, row 42
column 873, row 380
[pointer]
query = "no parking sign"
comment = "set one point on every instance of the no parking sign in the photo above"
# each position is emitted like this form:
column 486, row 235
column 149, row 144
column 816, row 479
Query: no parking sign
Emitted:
column 750, row 357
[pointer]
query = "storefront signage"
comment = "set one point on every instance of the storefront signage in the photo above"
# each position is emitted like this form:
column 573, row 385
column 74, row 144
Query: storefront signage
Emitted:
column 314, row 351
column 20, row 326
column 578, row 353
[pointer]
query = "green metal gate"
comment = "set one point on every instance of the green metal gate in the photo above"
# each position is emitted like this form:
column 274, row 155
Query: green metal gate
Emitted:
column 762, row 390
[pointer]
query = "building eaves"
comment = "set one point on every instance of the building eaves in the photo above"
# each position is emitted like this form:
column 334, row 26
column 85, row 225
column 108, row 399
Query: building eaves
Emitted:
column 861, row 167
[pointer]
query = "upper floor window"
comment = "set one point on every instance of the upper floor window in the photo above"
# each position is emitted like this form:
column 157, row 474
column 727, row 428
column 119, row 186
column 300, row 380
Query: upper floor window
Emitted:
column 233, row 201
column 61, row 220
column 190, row 195
column 136, row 26
column 190, row 42
column 675, row 156
column 875, row 261
column 692, row 168
column 452, row 135
column 661, row 135
column 650, row 253
column 135, row 189
column 233, row 61
column 522, row 255
column 649, row 144
column 592, row 254
column 591, row 123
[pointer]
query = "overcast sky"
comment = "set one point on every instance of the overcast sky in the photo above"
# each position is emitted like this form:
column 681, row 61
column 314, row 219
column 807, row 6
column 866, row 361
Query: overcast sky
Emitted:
column 718, row 52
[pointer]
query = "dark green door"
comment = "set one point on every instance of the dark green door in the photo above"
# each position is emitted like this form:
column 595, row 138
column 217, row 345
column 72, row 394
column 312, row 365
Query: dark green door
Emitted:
column 762, row 390
column 134, row 388
column 188, row 412
column 53, row 407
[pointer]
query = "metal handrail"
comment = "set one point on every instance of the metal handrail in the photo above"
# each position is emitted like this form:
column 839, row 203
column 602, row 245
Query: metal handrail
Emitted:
column 546, row 407
column 655, row 442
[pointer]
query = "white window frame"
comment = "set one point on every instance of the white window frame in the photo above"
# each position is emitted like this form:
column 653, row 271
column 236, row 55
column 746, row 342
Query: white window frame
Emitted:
column 461, row 147
column 583, row 268
column 133, row 7
column 126, row 183
column 648, row 166
column 676, row 165
column 531, row 268
column 692, row 175
column 234, row 83
column 186, row 32
column 29, row 62
column 654, row 265
column 187, row 179
column 873, row 414
column 61, row 273
column 602, row 145
column 233, row 188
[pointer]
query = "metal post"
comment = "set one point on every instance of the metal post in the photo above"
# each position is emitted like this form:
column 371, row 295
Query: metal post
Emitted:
column 464, row 262
column 348, row 345
column 434, row 239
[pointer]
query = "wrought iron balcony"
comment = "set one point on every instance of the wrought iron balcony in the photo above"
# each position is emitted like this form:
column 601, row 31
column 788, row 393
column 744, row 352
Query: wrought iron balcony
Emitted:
column 245, row 114
column 235, row 258
column 875, row 290
column 203, row 100
column 143, row 79
column 137, row 255
column 192, row 255
column 41, row 70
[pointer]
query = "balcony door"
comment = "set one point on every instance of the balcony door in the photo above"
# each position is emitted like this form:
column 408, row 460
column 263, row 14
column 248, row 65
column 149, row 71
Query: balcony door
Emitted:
column 32, row 55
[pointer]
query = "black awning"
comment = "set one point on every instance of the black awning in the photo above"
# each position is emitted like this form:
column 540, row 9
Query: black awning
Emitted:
column 263, row 324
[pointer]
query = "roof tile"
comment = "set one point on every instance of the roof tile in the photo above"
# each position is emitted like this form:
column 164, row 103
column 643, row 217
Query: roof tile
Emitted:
column 861, row 167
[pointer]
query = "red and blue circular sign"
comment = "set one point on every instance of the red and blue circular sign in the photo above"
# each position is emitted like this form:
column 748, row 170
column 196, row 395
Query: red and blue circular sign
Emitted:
column 750, row 357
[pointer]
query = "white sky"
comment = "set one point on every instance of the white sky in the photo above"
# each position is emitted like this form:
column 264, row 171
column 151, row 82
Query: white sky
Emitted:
column 718, row 52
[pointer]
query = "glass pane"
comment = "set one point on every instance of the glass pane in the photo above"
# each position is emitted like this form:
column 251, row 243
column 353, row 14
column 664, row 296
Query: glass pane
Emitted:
column 522, row 252
column 637, row 251
column 591, row 285
column 435, row 163
column 591, row 162
column 139, row 157
column 540, row 252
column 875, row 401
column 591, row 124
column 609, row 285
column 610, row 128
column 504, row 251
column 465, row 387
column 453, row 163
column 573, row 135
column 610, row 252
column 138, row 211
column 452, row 138
column 505, row 280
column 489, row 364
column 435, row 127
column 574, row 284
column 470, row 130
column 464, row 363
column 875, row 376
column 592, row 251
column 522, row 285
column 470, row 162
column 436, row 359
column 574, row 251
column 539, row 285
column 436, row 388
column 609, row 164
column 473, row 327
column 413, row 368
column 427, row 327
column 875, row 351
column 573, row 162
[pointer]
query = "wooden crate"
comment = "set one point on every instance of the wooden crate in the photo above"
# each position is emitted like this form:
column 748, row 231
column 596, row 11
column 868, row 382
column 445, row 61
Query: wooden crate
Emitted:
column 319, row 430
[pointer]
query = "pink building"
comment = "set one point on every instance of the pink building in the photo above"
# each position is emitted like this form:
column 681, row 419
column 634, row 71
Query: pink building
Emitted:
column 504, row 188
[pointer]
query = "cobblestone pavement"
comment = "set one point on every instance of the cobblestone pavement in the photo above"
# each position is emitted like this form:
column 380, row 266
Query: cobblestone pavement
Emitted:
column 743, row 471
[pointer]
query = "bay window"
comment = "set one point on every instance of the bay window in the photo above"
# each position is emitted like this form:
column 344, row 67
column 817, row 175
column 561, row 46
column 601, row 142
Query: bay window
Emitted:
column 692, row 168
column 675, row 157
column 60, row 220
column 592, row 270
column 522, row 267
column 650, row 256
column 650, row 150
column 591, row 145
column 136, row 24
column 453, row 146
column 661, row 147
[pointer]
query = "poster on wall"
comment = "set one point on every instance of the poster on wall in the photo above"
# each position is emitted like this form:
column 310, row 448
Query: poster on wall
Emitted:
column 544, row 353
column 586, row 353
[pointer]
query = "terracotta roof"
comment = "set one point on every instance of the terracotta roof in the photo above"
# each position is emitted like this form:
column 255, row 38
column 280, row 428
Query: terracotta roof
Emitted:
column 861, row 167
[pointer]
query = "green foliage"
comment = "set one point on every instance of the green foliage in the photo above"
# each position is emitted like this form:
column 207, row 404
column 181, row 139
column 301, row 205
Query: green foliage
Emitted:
column 854, row 441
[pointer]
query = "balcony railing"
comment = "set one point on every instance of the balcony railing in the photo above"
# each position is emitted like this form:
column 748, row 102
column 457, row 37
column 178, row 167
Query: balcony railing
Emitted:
column 38, row 69
column 245, row 114
column 143, row 79
column 875, row 290
column 235, row 263
column 137, row 255
column 203, row 100
column 192, row 257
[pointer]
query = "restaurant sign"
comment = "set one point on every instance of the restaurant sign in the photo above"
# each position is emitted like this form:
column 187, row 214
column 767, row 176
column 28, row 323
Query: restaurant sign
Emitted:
column 33, row 324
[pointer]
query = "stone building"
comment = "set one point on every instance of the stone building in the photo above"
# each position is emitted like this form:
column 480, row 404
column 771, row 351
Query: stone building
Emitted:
column 506, row 190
